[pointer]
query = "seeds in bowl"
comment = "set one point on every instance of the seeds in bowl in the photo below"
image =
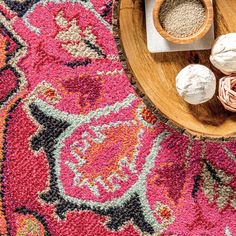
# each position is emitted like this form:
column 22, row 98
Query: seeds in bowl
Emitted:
column 182, row 18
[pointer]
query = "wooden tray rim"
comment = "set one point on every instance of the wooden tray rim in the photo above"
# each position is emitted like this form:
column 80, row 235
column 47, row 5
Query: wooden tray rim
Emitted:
column 139, row 90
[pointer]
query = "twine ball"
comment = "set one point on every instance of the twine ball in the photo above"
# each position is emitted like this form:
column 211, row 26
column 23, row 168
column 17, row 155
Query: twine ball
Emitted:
column 196, row 84
column 227, row 92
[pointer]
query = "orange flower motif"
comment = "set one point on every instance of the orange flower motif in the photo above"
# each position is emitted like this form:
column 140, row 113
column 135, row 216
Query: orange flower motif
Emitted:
column 50, row 93
column 148, row 116
column 165, row 213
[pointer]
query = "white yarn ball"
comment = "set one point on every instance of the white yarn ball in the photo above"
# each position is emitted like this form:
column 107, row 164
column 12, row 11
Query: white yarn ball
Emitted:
column 196, row 84
column 223, row 53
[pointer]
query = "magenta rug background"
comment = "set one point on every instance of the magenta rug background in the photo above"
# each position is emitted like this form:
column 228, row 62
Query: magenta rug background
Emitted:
column 81, row 155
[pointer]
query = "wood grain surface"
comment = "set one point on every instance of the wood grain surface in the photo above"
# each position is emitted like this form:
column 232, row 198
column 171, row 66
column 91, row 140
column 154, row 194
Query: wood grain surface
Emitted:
column 154, row 74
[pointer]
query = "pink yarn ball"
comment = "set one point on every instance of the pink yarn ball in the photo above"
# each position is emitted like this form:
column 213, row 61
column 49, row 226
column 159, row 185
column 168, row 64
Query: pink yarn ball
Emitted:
column 227, row 92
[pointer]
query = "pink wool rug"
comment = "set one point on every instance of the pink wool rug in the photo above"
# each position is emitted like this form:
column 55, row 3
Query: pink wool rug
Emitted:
column 80, row 153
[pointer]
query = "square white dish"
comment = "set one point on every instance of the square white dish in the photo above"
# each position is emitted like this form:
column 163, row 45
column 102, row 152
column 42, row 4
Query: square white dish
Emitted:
column 156, row 43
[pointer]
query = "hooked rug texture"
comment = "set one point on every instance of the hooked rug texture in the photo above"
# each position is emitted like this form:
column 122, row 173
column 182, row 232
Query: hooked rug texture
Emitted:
column 80, row 153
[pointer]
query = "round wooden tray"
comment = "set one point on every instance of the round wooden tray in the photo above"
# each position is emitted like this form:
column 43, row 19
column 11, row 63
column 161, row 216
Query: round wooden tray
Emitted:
column 153, row 75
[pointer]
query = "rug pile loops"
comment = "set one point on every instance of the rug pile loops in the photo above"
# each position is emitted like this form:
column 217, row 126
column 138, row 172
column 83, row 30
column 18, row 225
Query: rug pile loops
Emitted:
column 80, row 153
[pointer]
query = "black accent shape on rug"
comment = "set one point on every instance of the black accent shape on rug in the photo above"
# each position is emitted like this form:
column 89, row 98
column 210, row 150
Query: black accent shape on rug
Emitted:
column 195, row 189
column 52, row 128
column 46, row 139
column 5, row 32
column 130, row 211
column 213, row 172
column 94, row 48
column 74, row 64
column 12, row 47
column 107, row 10
column 20, row 7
